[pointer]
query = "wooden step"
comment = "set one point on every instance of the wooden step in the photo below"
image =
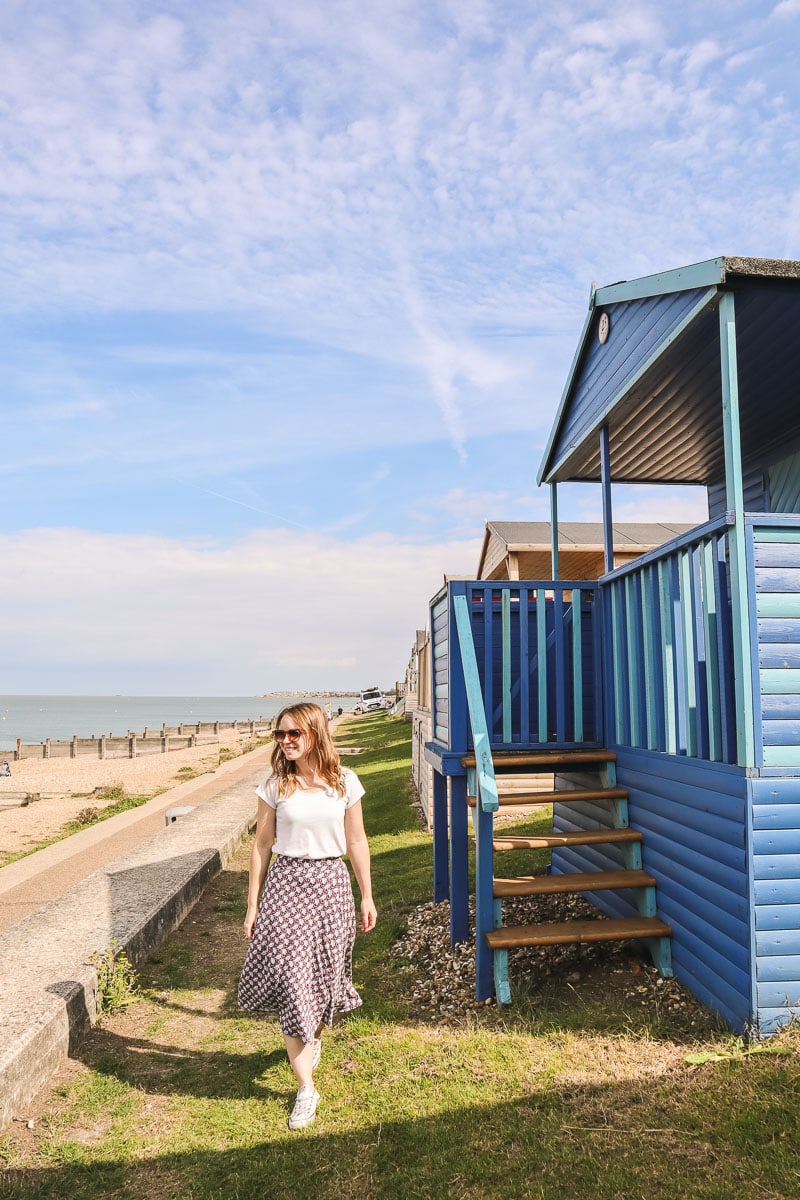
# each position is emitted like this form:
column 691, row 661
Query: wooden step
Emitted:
column 568, row 796
column 544, row 758
column 571, row 882
column 569, row 932
column 569, row 838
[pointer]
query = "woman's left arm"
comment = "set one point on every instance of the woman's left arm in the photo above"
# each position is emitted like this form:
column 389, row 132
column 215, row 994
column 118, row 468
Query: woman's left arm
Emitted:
column 358, row 853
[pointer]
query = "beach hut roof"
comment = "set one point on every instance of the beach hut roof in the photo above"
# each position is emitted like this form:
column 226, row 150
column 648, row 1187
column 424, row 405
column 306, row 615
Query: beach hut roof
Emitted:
column 521, row 549
column 648, row 366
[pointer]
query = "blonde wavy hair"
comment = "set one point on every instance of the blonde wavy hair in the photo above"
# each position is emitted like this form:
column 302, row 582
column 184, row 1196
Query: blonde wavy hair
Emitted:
column 314, row 723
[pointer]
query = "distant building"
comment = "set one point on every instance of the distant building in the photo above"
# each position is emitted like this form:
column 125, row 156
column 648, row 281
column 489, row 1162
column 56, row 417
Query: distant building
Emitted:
column 523, row 549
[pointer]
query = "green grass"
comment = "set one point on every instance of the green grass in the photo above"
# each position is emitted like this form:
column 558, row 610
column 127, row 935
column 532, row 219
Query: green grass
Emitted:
column 570, row 1094
column 119, row 803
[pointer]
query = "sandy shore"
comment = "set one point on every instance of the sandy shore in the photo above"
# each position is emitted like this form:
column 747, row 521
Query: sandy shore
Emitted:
column 70, row 785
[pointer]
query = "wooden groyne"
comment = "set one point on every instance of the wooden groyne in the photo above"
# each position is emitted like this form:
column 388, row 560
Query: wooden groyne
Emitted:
column 149, row 741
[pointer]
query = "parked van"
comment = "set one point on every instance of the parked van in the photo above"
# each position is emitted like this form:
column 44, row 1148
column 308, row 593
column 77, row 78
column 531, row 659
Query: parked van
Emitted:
column 371, row 700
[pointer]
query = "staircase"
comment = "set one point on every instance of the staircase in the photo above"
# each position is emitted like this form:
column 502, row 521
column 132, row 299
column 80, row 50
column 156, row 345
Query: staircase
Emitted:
column 578, row 777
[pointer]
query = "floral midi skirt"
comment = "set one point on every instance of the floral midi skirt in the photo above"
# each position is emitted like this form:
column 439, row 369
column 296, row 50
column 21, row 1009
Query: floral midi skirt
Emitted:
column 300, row 961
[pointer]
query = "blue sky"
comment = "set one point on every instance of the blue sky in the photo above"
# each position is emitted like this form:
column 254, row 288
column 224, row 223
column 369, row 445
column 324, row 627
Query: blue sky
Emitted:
column 290, row 294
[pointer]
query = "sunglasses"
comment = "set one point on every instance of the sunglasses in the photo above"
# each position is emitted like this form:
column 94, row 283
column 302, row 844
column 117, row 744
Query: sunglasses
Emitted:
column 291, row 734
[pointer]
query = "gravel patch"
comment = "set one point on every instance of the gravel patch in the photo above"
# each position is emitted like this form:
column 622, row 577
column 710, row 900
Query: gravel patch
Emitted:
column 442, row 977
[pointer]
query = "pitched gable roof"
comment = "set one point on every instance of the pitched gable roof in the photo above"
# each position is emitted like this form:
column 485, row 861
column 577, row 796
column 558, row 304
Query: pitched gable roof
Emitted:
column 581, row 551
column 656, row 379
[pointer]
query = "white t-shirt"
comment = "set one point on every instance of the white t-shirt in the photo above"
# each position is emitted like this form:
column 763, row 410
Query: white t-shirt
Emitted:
column 310, row 824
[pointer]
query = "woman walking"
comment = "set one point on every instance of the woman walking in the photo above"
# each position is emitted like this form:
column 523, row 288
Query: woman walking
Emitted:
column 299, row 963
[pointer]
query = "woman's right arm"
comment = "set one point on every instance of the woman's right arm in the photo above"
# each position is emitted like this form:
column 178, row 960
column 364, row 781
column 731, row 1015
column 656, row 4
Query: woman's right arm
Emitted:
column 259, row 861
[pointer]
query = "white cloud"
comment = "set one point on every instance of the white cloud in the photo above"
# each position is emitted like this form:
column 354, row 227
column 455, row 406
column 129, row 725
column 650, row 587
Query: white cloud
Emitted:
column 85, row 612
column 701, row 55
column 423, row 190
column 462, row 502
column 253, row 159
column 786, row 8
column 682, row 505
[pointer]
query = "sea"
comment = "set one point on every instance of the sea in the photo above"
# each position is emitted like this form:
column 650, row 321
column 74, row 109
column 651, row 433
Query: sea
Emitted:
column 36, row 718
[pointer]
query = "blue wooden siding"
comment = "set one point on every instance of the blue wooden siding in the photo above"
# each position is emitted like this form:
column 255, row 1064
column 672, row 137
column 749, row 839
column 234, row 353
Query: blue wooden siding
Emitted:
column 668, row 650
column 639, row 327
column 693, row 816
column 775, row 804
column 754, row 488
column 776, row 580
column 440, row 666
column 784, row 485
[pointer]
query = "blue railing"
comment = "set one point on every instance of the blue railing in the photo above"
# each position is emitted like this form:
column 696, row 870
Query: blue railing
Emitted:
column 517, row 665
column 482, row 784
column 668, row 649
column 538, row 658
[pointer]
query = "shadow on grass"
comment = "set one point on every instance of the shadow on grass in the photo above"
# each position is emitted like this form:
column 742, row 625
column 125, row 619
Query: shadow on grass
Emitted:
column 703, row 1135
column 164, row 1069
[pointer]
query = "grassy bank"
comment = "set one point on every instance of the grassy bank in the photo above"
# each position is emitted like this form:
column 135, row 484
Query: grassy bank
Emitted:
column 576, row 1092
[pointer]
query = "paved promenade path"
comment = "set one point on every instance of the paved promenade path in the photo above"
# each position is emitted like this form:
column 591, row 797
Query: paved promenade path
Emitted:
column 127, row 881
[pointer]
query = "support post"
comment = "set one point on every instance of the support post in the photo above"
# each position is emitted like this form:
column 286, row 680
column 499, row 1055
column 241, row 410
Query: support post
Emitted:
column 605, row 481
column 554, row 530
column 734, row 498
column 484, row 900
column 441, row 874
column 459, row 848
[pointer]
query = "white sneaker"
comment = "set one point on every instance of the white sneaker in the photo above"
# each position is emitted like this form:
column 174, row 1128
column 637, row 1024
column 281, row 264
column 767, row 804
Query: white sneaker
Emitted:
column 317, row 1053
column 305, row 1107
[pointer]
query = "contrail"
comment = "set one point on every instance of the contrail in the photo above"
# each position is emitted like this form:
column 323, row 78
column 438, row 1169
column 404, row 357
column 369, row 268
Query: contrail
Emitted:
column 243, row 504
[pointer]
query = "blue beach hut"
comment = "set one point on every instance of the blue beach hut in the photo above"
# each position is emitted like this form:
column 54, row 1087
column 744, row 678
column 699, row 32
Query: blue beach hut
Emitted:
column 662, row 700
